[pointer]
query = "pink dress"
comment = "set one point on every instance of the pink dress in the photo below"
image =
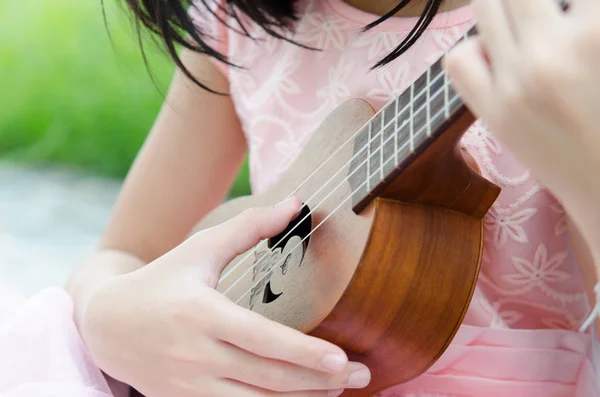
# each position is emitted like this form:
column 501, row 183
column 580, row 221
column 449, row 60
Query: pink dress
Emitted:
column 520, row 336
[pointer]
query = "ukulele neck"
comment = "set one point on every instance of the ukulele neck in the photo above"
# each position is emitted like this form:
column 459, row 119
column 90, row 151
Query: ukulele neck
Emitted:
column 402, row 130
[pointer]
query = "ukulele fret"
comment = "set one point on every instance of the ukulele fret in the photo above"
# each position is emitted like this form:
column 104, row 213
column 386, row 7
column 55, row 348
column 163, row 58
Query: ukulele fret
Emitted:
column 369, row 156
column 412, row 118
column 376, row 153
column 390, row 149
column 382, row 135
column 428, row 100
column 446, row 100
column 404, row 127
column 396, row 117
column 420, row 113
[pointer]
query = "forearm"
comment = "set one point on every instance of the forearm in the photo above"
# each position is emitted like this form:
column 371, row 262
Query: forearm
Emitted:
column 99, row 269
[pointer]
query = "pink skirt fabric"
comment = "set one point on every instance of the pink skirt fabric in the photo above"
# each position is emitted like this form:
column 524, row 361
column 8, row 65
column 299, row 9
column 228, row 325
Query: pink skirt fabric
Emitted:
column 42, row 355
column 486, row 362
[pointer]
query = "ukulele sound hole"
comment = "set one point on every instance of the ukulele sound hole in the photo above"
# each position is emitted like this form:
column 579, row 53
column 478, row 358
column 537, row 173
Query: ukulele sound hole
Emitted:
column 291, row 245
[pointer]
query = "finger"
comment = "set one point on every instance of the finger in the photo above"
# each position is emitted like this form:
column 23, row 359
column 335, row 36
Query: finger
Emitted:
column 275, row 375
column 532, row 17
column 244, row 231
column 495, row 31
column 258, row 335
column 233, row 388
column 469, row 71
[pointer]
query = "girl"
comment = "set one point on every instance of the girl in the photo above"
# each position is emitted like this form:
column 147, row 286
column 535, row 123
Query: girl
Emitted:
column 145, row 304
column 531, row 298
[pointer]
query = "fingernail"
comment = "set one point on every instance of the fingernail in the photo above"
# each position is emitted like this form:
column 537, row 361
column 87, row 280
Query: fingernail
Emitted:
column 359, row 378
column 335, row 362
column 335, row 393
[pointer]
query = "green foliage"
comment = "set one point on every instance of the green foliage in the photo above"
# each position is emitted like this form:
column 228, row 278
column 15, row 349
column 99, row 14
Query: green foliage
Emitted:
column 73, row 95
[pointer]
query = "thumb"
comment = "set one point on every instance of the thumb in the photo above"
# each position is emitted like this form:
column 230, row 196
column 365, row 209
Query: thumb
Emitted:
column 241, row 233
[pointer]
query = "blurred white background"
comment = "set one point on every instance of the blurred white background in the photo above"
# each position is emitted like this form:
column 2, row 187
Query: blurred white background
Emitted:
column 50, row 219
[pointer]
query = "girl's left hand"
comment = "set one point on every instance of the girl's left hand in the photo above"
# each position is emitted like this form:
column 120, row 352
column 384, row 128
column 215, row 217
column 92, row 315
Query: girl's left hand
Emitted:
column 533, row 77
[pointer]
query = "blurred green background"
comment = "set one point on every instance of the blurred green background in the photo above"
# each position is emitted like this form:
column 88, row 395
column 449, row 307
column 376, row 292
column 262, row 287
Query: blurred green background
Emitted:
column 72, row 97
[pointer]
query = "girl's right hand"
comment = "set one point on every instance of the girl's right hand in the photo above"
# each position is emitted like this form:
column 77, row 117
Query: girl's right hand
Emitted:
column 166, row 331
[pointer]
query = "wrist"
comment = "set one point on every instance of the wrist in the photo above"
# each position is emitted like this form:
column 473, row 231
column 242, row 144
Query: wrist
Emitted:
column 92, row 275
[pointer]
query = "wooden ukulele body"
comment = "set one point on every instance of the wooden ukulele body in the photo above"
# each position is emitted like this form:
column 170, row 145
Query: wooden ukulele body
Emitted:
column 389, row 284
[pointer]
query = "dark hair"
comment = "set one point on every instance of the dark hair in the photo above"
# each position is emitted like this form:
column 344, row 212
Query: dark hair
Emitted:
column 171, row 21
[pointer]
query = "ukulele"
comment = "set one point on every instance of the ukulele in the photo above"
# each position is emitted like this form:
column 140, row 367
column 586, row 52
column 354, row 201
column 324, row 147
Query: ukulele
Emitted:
column 385, row 254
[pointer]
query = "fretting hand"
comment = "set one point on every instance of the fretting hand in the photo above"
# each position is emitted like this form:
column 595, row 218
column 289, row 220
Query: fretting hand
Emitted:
column 533, row 77
column 165, row 330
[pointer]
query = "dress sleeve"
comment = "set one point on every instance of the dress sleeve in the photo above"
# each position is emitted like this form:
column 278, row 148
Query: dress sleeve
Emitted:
column 210, row 19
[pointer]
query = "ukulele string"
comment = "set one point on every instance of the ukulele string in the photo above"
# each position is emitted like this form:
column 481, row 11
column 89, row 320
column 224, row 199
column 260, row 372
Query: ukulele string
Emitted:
column 320, row 224
column 350, row 139
column 436, row 94
column 343, row 145
column 454, row 98
column 563, row 3
column 376, row 136
column 305, row 203
column 396, row 117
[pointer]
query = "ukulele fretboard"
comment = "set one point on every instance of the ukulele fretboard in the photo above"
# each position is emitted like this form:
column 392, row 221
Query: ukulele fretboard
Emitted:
column 402, row 130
